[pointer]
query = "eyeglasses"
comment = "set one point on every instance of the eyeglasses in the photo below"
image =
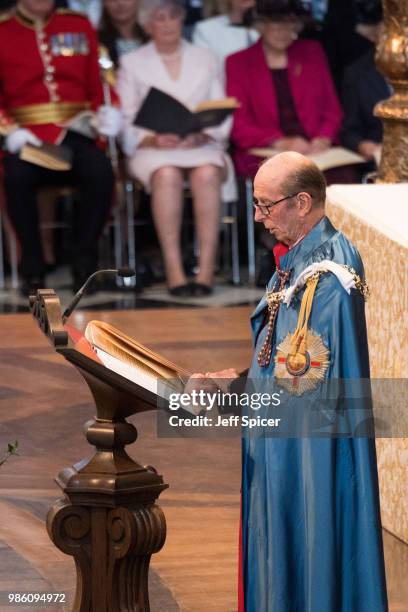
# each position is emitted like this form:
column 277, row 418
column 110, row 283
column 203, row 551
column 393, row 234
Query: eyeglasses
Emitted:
column 265, row 209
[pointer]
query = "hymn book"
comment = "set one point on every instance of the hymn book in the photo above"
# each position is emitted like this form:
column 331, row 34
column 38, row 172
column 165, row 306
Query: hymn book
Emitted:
column 163, row 114
column 46, row 155
column 334, row 157
column 134, row 361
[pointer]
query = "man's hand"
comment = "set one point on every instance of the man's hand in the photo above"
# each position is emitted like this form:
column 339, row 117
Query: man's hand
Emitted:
column 200, row 381
column 20, row 137
column 210, row 382
column 109, row 121
column 318, row 145
column 223, row 378
column 368, row 149
column 294, row 143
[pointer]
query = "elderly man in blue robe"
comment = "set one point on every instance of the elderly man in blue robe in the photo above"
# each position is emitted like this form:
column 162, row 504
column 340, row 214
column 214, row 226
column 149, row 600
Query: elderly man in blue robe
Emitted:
column 311, row 530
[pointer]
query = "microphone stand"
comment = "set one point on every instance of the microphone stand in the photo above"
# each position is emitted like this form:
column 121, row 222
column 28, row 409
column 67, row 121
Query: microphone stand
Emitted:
column 121, row 272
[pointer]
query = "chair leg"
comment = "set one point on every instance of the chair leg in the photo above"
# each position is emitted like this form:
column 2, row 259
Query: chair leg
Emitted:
column 117, row 237
column 226, row 241
column 130, row 224
column 250, row 231
column 2, row 279
column 13, row 261
column 236, row 277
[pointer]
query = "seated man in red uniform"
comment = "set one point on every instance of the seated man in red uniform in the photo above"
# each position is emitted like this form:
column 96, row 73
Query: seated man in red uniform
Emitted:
column 48, row 74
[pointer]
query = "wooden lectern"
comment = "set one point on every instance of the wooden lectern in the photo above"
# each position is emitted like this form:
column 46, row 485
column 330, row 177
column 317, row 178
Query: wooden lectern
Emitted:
column 108, row 519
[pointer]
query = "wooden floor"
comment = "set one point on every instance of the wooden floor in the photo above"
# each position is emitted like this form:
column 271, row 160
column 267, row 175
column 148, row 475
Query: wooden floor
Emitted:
column 44, row 403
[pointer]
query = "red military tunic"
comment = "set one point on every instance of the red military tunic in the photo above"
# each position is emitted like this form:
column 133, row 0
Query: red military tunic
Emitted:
column 49, row 72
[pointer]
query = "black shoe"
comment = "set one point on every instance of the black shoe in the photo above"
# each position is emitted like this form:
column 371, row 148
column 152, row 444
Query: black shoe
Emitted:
column 50, row 268
column 201, row 290
column 145, row 273
column 181, row 290
column 31, row 284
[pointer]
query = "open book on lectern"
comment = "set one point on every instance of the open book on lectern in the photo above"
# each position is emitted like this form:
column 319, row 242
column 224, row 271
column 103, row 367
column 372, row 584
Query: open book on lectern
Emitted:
column 130, row 359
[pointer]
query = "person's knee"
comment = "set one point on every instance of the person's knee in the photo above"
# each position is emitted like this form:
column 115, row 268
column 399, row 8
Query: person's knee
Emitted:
column 206, row 176
column 18, row 173
column 167, row 176
column 96, row 169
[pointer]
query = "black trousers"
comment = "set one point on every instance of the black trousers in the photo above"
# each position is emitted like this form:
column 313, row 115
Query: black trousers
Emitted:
column 91, row 174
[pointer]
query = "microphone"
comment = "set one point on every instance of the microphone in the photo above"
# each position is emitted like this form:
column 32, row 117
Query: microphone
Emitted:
column 123, row 272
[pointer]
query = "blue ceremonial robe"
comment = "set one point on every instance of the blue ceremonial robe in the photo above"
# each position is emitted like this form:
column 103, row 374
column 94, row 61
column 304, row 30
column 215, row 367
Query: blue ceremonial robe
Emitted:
column 311, row 529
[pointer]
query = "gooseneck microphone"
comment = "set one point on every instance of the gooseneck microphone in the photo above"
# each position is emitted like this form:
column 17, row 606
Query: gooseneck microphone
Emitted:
column 123, row 272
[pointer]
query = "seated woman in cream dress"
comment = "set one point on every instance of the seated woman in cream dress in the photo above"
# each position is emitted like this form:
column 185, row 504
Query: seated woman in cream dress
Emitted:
column 162, row 162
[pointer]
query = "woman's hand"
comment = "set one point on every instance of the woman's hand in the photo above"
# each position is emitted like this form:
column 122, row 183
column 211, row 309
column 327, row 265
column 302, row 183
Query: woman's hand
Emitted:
column 292, row 143
column 167, row 141
column 160, row 141
column 193, row 140
column 318, row 145
column 368, row 149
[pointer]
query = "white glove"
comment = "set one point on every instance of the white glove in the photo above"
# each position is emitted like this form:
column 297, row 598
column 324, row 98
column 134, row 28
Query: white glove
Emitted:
column 109, row 121
column 20, row 137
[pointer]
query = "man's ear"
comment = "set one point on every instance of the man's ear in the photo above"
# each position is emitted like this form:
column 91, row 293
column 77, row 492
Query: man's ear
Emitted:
column 305, row 203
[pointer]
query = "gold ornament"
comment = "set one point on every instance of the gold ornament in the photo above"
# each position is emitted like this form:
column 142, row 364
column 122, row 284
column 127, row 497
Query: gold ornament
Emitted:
column 301, row 371
column 392, row 62
column 302, row 360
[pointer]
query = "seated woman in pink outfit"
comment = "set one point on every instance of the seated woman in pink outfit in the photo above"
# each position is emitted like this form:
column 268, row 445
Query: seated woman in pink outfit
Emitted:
column 287, row 97
column 162, row 162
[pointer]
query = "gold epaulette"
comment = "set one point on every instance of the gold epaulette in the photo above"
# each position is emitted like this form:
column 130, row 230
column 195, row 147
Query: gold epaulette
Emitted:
column 361, row 284
column 6, row 17
column 66, row 11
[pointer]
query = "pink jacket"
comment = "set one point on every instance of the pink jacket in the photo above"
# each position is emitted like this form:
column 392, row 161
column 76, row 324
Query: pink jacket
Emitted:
column 256, row 122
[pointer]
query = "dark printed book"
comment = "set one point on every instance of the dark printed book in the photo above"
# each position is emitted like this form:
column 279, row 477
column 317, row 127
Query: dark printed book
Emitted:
column 163, row 114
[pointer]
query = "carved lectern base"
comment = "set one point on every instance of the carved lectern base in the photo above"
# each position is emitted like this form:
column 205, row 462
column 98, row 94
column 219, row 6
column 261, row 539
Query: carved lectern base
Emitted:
column 112, row 549
column 108, row 519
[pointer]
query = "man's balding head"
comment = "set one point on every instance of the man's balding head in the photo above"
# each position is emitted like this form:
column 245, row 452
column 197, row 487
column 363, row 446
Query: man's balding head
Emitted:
column 290, row 193
column 295, row 173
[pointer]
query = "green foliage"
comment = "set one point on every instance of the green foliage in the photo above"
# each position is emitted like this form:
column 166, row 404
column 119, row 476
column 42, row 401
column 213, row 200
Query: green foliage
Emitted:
column 12, row 449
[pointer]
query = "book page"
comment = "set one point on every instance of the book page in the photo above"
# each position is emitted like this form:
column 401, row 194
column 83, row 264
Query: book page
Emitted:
column 215, row 104
column 128, row 371
column 160, row 387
